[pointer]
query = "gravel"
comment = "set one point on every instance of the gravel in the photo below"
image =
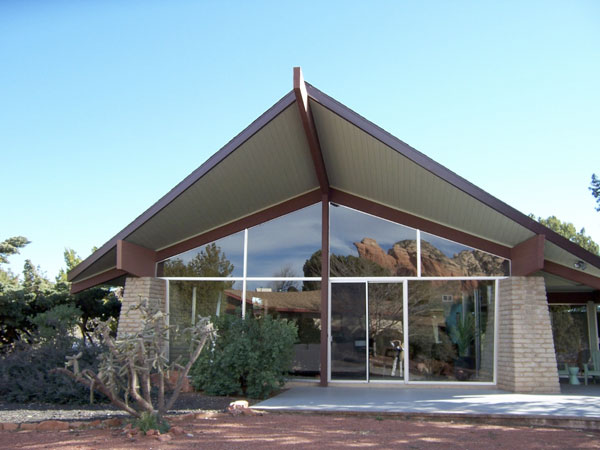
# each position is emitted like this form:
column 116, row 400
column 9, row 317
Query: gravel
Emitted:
column 37, row 412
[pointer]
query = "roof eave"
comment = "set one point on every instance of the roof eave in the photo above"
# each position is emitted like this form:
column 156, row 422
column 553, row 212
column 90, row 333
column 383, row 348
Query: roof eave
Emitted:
column 213, row 161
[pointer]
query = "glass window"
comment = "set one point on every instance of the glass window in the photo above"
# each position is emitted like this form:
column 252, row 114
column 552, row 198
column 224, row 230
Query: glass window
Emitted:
column 190, row 299
column 297, row 301
column 451, row 330
column 570, row 333
column 221, row 258
column 363, row 245
column 443, row 258
column 282, row 247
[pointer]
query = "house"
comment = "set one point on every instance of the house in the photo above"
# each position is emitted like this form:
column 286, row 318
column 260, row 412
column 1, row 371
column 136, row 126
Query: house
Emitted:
column 396, row 269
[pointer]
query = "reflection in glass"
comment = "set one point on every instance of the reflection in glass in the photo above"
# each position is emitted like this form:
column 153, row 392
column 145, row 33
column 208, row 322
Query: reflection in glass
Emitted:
column 221, row 258
column 570, row 333
column 281, row 247
column 363, row 245
column 296, row 301
column 451, row 330
column 443, row 258
column 190, row 299
column 386, row 346
column 348, row 331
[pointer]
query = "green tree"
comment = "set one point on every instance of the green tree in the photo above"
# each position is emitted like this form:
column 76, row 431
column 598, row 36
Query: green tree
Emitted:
column 568, row 230
column 33, row 279
column 8, row 247
column 11, row 246
column 595, row 188
column 72, row 259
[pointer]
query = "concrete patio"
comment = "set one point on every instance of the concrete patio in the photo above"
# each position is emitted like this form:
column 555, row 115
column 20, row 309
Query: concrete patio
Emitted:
column 577, row 404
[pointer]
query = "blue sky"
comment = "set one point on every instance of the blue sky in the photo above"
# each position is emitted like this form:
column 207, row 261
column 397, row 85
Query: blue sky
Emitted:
column 106, row 105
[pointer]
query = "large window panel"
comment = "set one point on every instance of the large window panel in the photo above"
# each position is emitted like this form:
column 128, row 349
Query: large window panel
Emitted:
column 298, row 302
column 221, row 258
column 282, row 247
column 570, row 333
column 362, row 245
column 444, row 258
column 190, row 299
column 451, row 330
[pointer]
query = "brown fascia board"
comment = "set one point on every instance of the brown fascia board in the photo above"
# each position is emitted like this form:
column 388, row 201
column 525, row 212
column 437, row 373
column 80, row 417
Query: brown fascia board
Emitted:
column 447, row 175
column 572, row 274
column 102, row 278
column 213, row 161
column 573, row 297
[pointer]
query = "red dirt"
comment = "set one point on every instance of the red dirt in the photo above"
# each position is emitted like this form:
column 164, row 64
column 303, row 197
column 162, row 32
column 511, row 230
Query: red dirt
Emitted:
column 310, row 431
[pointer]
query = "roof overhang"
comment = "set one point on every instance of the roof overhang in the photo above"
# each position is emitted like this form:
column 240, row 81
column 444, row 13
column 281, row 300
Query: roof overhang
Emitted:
column 308, row 146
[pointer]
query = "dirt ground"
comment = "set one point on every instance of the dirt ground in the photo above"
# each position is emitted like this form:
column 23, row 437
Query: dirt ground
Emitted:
column 223, row 431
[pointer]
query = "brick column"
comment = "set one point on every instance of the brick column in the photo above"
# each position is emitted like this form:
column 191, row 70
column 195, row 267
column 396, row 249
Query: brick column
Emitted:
column 526, row 358
column 137, row 289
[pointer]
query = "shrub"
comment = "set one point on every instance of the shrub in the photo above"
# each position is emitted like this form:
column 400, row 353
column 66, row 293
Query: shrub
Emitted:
column 249, row 357
column 25, row 377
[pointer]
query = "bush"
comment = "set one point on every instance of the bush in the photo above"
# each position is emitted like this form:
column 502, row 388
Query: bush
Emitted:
column 25, row 377
column 249, row 357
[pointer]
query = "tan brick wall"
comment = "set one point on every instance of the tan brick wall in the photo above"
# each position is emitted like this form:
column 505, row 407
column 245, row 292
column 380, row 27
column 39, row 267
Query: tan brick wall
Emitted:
column 137, row 289
column 526, row 358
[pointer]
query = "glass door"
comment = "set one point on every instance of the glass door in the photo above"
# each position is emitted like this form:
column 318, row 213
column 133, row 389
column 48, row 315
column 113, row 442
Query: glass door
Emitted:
column 386, row 331
column 367, row 331
column 348, row 331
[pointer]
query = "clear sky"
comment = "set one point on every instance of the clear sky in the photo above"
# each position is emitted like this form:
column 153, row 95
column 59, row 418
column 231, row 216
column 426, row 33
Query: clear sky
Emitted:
column 106, row 105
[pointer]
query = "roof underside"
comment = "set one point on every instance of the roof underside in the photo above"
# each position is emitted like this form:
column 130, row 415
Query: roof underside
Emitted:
column 270, row 163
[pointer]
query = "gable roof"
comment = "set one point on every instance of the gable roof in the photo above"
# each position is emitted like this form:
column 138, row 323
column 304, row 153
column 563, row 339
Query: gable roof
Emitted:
column 270, row 163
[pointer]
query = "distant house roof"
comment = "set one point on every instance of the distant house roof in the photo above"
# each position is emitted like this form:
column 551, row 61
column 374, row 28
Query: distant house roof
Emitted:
column 282, row 162
column 297, row 302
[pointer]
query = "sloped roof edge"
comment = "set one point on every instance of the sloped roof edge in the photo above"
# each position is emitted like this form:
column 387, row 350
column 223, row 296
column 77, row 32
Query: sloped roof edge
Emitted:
column 449, row 176
column 188, row 181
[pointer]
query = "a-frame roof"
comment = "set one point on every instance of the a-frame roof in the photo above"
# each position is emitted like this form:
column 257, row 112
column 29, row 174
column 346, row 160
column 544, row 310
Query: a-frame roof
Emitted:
column 308, row 145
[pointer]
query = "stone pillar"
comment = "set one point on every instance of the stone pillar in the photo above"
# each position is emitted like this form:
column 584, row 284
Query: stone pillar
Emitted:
column 526, row 357
column 137, row 289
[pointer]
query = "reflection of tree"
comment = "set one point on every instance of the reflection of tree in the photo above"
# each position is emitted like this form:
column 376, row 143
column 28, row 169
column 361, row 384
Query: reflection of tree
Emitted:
column 285, row 285
column 385, row 311
column 343, row 266
column 568, row 332
column 209, row 262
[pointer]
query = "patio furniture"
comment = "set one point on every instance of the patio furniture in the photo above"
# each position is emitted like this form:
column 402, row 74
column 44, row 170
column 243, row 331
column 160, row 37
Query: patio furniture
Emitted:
column 573, row 372
column 592, row 370
column 563, row 370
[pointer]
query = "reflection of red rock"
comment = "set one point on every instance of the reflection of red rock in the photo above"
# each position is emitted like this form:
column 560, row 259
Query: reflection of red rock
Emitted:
column 401, row 260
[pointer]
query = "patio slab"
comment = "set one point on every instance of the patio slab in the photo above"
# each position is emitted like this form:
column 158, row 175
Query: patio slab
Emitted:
column 447, row 401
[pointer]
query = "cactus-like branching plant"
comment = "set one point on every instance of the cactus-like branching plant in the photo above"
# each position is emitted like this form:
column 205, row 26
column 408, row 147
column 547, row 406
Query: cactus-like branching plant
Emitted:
column 132, row 365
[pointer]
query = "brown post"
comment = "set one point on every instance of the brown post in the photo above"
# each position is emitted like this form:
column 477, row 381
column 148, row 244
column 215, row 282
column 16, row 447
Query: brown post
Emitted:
column 324, row 288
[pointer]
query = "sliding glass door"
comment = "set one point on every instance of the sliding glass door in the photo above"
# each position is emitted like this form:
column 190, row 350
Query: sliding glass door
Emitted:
column 367, row 331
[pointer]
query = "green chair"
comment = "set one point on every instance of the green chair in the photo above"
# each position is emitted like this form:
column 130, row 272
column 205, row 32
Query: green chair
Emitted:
column 592, row 370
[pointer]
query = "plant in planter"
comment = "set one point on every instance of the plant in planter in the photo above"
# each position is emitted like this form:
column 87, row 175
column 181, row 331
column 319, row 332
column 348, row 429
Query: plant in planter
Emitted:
column 463, row 334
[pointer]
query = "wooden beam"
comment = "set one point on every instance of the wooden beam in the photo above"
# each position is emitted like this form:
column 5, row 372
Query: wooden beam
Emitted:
column 572, row 274
column 407, row 219
column 252, row 220
column 580, row 298
column 310, row 130
column 528, row 256
column 96, row 280
column 136, row 260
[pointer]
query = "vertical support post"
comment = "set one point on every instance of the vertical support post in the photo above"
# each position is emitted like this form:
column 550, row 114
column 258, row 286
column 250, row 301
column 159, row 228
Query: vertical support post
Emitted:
column 324, row 288
column 592, row 325
column 245, row 273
